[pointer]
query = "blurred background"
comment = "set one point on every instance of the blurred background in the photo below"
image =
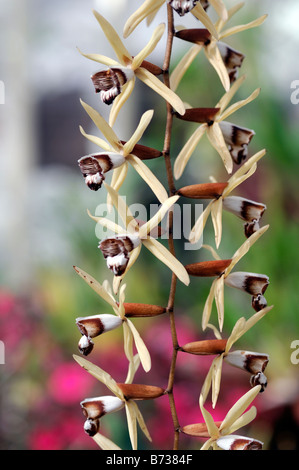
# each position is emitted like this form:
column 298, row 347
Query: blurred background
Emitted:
column 45, row 230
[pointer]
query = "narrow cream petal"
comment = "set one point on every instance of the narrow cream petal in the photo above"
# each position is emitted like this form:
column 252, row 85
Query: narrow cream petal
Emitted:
column 220, row 9
column 100, row 375
column 215, row 330
column 207, row 444
column 149, row 7
column 239, row 407
column 212, row 428
column 141, row 422
column 97, row 140
column 118, row 177
column 216, row 214
column 109, row 224
column 255, row 318
column 245, row 248
column 121, row 300
column 104, row 443
column 236, row 177
column 102, row 59
column 156, row 219
column 159, row 250
column 120, row 100
column 128, row 344
column 219, row 300
column 207, row 383
column 228, row 96
column 238, row 181
column 202, row 16
column 213, row 55
column 216, row 379
column 132, row 423
column 198, row 228
column 216, row 138
column 186, row 152
column 153, row 82
column 103, row 126
column 183, row 65
column 133, row 367
column 148, row 49
column 143, row 124
column 237, row 331
column 120, row 50
column 243, row 27
column 236, row 106
column 132, row 259
column 144, row 355
column 96, row 286
column 123, row 210
column 208, row 305
column 244, row 420
column 148, row 176
column 211, row 249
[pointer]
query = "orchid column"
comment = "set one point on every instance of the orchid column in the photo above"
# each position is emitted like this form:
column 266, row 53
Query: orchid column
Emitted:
column 115, row 86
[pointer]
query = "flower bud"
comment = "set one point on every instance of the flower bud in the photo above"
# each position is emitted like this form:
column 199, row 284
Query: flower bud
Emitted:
column 85, row 345
column 237, row 139
column 196, row 35
column 208, row 268
column 154, row 69
column 247, row 210
column 95, row 325
column 143, row 152
column 252, row 362
column 95, row 408
column 251, row 283
column 109, row 82
column 198, row 429
column 143, row 310
column 235, row 442
column 94, row 166
column 203, row 191
column 140, row 392
column 205, row 347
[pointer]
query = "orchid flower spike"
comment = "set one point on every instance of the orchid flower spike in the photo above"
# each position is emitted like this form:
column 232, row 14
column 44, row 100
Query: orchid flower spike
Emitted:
column 116, row 84
column 248, row 211
column 125, row 395
column 150, row 8
column 225, row 60
column 117, row 154
column 122, row 250
column 218, row 131
column 95, row 325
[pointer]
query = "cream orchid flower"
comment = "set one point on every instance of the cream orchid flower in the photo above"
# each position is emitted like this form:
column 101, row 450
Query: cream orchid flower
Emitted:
column 122, row 251
column 251, row 213
column 224, row 59
column 213, row 377
column 117, row 155
column 117, row 83
column 95, row 325
column 213, row 129
column 125, row 396
column 236, row 418
column 217, row 289
column 150, row 8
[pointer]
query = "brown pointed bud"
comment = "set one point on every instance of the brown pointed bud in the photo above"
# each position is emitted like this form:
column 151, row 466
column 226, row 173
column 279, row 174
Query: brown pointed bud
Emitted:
column 95, row 408
column 235, row 442
column 154, row 69
column 200, row 115
column 198, row 429
column 95, row 325
column 259, row 379
column 91, row 426
column 208, row 268
column 251, row 283
column 252, row 362
column 140, row 392
column 109, row 82
column 196, row 35
column 143, row 152
column 259, row 302
column 245, row 209
column 205, row 347
column 143, row 310
column 203, row 191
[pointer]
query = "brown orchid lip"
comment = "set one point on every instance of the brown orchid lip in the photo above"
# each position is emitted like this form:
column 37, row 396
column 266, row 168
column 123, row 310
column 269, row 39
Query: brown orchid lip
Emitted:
column 200, row 115
column 196, row 35
column 208, row 268
column 203, row 190
column 143, row 310
column 140, row 392
column 143, row 152
column 198, row 429
column 205, row 347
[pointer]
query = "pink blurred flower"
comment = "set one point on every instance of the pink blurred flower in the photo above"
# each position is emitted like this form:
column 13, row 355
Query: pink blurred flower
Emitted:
column 69, row 383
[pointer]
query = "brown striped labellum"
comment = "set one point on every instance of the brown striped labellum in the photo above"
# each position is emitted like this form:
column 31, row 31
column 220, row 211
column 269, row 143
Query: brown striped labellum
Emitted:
column 109, row 82
column 116, row 251
column 94, row 166
column 237, row 139
column 182, row 6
